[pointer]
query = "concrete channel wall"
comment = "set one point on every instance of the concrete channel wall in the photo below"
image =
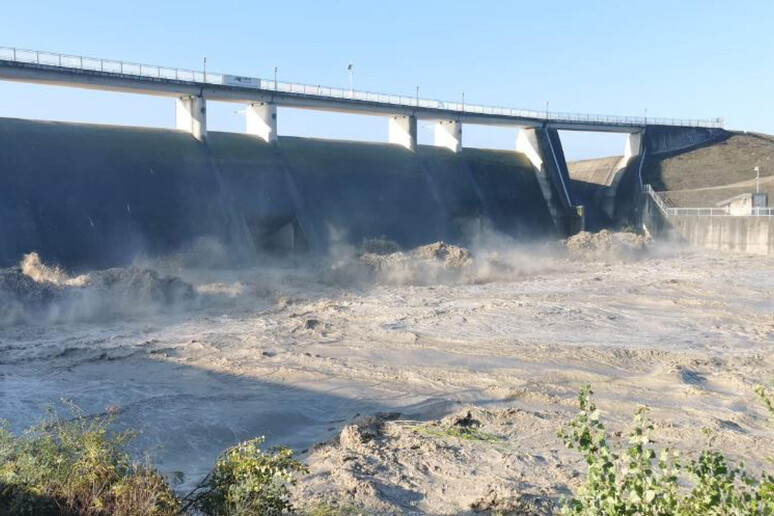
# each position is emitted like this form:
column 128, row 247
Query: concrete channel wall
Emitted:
column 96, row 196
column 753, row 235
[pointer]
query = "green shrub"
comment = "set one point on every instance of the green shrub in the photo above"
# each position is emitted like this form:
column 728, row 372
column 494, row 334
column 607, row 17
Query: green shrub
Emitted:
column 639, row 481
column 328, row 509
column 248, row 482
column 77, row 467
column 768, row 400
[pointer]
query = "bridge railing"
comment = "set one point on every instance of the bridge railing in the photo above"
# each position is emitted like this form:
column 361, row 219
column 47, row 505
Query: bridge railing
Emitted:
column 666, row 208
column 162, row 73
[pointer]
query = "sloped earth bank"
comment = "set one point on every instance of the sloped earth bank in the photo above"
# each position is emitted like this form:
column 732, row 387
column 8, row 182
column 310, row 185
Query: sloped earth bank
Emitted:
column 430, row 381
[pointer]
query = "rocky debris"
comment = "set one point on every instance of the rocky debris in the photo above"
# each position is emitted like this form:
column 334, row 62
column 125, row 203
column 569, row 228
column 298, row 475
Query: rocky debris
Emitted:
column 381, row 464
column 37, row 293
column 500, row 499
column 607, row 244
column 434, row 263
column 450, row 256
column 363, row 430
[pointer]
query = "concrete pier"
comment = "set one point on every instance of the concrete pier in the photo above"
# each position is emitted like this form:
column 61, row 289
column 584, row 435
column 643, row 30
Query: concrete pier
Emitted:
column 448, row 134
column 261, row 121
column 403, row 131
column 543, row 149
column 632, row 148
column 191, row 116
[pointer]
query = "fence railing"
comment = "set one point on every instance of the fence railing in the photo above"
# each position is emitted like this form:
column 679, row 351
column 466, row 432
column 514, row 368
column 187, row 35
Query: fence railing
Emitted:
column 667, row 209
column 154, row 72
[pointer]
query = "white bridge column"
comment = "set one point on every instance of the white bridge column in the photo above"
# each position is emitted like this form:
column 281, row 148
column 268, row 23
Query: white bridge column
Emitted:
column 633, row 146
column 191, row 116
column 261, row 120
column 527, row 143
column 403, row 131
column 448, row 133
column 632, row 149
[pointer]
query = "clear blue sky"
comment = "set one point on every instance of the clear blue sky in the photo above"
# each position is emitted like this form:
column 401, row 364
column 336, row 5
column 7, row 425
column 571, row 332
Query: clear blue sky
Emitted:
column 677, row 58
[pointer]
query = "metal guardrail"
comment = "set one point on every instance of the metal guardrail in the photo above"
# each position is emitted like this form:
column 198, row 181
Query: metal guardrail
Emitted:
column 673, row 211
column 144, row 71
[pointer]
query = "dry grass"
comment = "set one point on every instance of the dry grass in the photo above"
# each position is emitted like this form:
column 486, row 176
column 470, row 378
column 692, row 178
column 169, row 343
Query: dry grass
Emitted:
column 707, row 175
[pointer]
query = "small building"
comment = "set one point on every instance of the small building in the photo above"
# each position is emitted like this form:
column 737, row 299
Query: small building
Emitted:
column 745, row 204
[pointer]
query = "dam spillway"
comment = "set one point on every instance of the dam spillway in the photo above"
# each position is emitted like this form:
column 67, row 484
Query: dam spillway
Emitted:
column 97, row 196
column 91, row 196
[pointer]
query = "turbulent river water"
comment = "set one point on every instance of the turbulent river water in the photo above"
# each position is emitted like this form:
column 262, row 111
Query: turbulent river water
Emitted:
column 200, row 359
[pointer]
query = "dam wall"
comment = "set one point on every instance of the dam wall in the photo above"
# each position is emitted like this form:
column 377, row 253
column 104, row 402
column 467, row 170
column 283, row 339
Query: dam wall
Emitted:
column 98, row 196
column 592, row 183
column 753, row 235
column 663, row 139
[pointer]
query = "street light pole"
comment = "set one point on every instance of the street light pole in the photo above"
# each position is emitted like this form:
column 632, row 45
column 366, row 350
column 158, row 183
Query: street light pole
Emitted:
column 417, row 101
column 757, row 179
column 546, row 110
column 463, row 101
column 205, row 68
column 351, row 70
column 275, row 77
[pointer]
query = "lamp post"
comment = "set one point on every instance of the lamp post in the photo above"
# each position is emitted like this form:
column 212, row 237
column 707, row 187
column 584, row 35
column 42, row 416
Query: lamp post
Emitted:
column 276, row 68
column 417, row 97
column 757, row 179
column 546, row 110
column 205, row 68
column 463, row 101
column 351, row 72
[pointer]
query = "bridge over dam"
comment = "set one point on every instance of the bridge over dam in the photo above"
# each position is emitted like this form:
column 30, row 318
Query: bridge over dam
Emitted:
column 94, row 195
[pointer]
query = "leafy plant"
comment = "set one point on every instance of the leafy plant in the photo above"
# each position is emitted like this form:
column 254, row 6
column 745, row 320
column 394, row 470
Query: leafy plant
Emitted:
column 327, row 509
column 767, row 398
column 248, row 482
column 77, row 467
column 639, row 481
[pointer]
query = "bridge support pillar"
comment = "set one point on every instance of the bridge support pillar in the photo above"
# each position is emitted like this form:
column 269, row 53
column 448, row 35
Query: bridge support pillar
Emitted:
column 261, row 121
column 448, row 133
column 527, row 143
column 632, row 150
column 633, row 146
column 403, row 131
column 191, row 116
column 544, row 150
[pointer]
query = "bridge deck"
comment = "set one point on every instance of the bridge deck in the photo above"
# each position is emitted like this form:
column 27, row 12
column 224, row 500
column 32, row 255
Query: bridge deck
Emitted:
column 77, row 71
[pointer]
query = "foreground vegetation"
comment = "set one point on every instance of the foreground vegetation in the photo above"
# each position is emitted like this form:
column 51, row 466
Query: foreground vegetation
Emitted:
column 76, row 467
column 639, row 480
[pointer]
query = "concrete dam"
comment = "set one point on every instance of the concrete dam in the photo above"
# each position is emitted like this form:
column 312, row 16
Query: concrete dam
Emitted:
column 102, row 195
column 96, row 196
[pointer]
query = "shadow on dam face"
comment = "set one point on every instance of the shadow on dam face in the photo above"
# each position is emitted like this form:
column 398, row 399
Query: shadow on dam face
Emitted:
column 96, row 196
